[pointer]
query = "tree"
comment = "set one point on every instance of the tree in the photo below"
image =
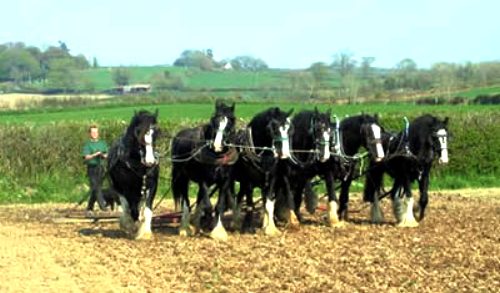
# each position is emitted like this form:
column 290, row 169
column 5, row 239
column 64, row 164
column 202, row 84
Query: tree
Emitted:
column 121, row 76
column 406, row 71
column 195, row 58
column 366, row 64
column 17, row 64
column 248, row 63
column 343, row 63
column 167, row 81
column 64, row 75
column 446, row 76
column 95, row 64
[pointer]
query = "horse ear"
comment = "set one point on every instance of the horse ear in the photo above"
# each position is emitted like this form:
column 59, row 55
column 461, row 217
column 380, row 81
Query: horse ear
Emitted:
column 218, row 104
column 233, row 105
column 316, row 110
column 445, row 121
column 376, row 117
column 289, row 113
column 329, row 112
column 156, row 113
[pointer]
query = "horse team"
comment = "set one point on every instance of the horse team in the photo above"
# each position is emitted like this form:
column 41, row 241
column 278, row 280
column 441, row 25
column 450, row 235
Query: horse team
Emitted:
column 280, row 154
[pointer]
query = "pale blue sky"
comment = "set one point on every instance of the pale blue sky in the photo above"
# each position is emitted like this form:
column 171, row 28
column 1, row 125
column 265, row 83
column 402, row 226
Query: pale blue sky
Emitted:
column 285, row 34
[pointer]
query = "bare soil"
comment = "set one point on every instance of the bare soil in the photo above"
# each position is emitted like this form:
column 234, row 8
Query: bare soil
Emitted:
column 456, row 248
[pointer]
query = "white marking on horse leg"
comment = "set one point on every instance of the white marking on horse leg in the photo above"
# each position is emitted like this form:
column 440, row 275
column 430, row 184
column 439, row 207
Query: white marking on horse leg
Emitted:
column 408, row 219
column 332, row 215
column 144, row 231
column 270, row 229
column 219, row 135
column 219, row 233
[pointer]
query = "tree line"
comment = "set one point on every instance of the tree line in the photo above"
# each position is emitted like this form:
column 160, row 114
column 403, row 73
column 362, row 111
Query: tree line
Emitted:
column 56, row 69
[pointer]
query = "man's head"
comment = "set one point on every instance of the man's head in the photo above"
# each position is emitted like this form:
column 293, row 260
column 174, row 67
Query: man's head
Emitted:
column 94, row 132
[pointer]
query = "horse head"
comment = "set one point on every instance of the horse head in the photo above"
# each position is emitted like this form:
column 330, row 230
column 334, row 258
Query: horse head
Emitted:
column 440, row 139
column 371, row 132
column 143, row 132
column 279, row 128
column 320, row 130
column 222, row 124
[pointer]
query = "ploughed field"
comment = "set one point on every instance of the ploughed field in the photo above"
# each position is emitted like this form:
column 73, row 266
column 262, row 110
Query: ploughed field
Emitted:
column 456, row 248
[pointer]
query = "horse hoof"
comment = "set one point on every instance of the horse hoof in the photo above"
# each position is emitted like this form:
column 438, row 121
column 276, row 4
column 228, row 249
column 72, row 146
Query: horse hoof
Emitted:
column 293, row 221
column 336, row 224
column 407, row 224
column 219, row 233
column 185, row 232
column 272, row 231
column 144, row 236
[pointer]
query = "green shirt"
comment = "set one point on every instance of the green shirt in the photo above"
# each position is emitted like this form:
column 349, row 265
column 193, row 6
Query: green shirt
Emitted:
column 91, row 147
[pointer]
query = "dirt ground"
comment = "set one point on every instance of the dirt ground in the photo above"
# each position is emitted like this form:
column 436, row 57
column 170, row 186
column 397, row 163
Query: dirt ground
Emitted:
column 456, row 248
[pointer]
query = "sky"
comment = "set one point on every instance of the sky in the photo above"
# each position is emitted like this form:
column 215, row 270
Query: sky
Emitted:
column 283, row 33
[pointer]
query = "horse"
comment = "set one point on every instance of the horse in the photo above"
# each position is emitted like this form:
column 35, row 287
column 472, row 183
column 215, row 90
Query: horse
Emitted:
column 133, row 170
column 348, row 136
column 201, row 155
column 355, row 132
column 263, row 146
column 310, row 156
column 410, row 155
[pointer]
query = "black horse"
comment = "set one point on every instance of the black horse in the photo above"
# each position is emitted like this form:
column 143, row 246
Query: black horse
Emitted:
column 264, row 146
column 133, row 171
column 355, row 132
column 201, row 155
column 311, row 156
column 410, row 155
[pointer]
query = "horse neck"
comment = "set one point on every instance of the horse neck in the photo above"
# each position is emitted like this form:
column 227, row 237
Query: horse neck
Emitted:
column 352, row 139
column 130, row 144
column 208, row 131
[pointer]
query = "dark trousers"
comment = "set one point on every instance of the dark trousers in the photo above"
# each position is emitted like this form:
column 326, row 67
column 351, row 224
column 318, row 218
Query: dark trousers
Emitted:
column 95, row 174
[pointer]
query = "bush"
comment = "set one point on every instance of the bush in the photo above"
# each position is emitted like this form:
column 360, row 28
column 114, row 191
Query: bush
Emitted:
column 43, row 163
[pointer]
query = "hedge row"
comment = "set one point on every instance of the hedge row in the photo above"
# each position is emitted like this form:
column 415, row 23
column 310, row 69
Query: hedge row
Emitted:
column 37, row 160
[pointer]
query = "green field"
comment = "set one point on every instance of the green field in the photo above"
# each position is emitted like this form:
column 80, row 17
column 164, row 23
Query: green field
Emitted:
column 198, row 111
column 200, row 80
column 472, row 93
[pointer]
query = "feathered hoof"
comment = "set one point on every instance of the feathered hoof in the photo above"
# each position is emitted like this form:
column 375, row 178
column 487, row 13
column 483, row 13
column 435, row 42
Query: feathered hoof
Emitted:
column 407, row 223
column 219, row 234
column 293, row 221
column 336, row 223
column 272, row 231
column 185, row 231
column 376, row 216
column 144, row 235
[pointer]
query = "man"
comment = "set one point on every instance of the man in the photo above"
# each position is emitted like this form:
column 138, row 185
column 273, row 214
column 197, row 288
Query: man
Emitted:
column 94, row 152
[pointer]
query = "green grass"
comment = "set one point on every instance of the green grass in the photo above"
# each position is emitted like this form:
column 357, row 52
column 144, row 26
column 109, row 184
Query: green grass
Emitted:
column 200, row 80
column 183, row 111
column 472, row 93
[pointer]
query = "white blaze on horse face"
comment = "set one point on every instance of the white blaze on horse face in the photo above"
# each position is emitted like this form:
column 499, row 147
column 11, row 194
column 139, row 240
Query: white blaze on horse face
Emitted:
column 148, row 140
column 285, row 144
column 220, row 133
column 326, row 140
column 443, row 137
column 378, row 145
